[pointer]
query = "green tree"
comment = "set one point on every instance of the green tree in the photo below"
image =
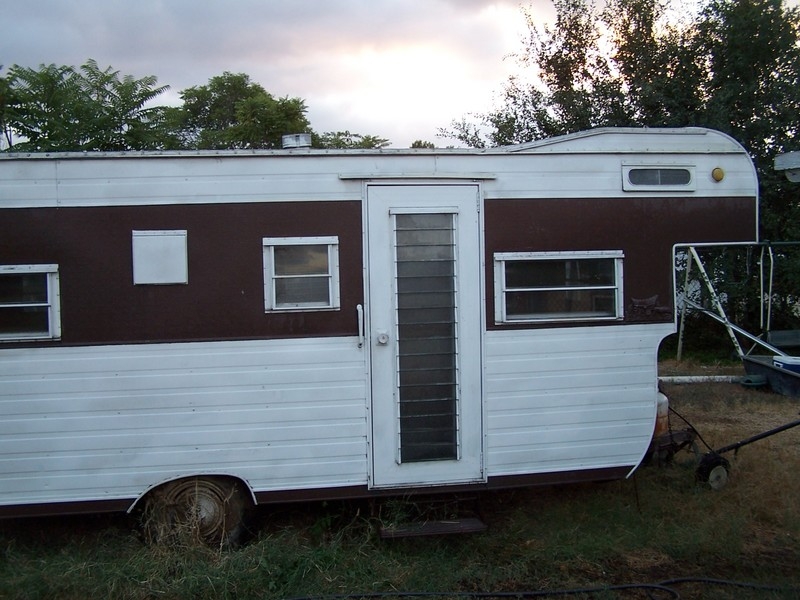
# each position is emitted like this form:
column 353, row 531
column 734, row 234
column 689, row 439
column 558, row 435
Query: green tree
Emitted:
column 733, row 65
column 233, row 112
column 753, row 93
column 6, row 137
column 123, row 120
column 45, row 109
column 60, row 108
column 422, row 144
column 345, row 139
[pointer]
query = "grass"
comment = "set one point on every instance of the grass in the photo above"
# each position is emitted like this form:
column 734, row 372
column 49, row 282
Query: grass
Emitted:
column 660, row 525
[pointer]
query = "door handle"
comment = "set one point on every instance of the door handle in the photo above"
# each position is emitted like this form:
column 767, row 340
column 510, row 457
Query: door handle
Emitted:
column 382, row 338
column 360, row 311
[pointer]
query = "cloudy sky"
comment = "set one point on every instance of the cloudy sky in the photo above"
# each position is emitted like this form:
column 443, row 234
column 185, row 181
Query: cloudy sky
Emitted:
column 399, row 69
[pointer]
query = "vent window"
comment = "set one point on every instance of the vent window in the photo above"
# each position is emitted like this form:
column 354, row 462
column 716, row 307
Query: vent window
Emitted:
column 652, row 178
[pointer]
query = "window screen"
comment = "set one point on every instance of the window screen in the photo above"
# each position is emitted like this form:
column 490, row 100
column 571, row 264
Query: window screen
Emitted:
column 557, row 286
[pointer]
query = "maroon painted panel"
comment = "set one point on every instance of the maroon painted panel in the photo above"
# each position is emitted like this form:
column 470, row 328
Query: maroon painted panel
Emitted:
column 224, row 298
column 645, row 229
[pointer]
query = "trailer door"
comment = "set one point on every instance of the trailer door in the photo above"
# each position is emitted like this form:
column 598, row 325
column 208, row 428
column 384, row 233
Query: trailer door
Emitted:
column 425, row 327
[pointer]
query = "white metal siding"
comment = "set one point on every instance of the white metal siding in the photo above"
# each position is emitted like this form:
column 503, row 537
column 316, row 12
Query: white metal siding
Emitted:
column 577, row 166
column 566, row 399
column 108, row 422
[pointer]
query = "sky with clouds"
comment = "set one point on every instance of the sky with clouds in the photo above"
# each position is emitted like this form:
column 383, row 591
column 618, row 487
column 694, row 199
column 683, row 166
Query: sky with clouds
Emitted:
column 399, row 69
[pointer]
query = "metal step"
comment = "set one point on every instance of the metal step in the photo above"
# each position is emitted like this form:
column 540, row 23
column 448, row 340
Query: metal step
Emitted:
column 466, row 525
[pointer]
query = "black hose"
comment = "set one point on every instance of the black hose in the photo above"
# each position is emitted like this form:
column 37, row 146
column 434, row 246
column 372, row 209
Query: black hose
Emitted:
column 726, row 582
column 664, row 587
column 699, row 437
column 649, row 587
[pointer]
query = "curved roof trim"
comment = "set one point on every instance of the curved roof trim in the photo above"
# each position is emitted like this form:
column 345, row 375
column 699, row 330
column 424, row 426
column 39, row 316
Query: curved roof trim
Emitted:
column 635, row 139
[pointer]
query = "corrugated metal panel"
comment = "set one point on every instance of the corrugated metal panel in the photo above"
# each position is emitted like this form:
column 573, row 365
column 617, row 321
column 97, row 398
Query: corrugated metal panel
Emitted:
column 107, row 422
column 565, row 399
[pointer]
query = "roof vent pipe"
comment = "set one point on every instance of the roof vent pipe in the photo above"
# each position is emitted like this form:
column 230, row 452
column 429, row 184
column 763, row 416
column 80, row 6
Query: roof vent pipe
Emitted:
column 296, row 140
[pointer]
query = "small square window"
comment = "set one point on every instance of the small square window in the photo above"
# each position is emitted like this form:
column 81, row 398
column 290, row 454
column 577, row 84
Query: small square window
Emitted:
column 301, row 273
column 29, row 302
column 557, row 286
column 160, row 257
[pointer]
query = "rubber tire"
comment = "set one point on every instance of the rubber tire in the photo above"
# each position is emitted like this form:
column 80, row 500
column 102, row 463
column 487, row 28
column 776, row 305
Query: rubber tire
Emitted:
column 205, row 510
column 713, row 470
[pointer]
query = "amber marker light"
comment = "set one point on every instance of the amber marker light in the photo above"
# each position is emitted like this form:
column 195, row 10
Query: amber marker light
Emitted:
column 718, row 174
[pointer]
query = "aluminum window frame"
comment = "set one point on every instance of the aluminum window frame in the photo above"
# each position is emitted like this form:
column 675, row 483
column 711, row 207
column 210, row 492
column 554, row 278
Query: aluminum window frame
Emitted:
column 271, row 303
column 52, row 303
column 501, row 289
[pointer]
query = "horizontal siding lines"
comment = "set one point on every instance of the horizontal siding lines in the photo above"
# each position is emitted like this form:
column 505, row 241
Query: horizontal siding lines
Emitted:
column 201, row 181
column 187, row 437
column 562, row 400
column 573, row 379
column 555, row 361
column 145, row 402
column 570, row 417
column 120, row 481
column 566, row 456
column 152, row 357
column 577, row 340
column 575, row 371
column 177, row 382
column 174, row 418
column 98, row 422
column 115, row 374
column 214, row 448
column 569, row 399
column 568, row 436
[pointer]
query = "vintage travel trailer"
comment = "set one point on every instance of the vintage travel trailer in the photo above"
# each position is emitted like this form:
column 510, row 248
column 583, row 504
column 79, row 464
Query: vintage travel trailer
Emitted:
column 220, row 329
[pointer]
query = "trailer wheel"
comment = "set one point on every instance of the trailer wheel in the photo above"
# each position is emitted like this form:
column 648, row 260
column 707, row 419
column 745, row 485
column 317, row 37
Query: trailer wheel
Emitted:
column 713, row 470
column 206, row 510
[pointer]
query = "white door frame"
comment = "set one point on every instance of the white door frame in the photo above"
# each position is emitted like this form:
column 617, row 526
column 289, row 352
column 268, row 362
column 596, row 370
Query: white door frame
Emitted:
column 395, row 460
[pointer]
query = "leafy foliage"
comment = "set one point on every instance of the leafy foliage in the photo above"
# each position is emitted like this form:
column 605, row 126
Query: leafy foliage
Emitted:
column 345, row 139
column 63, row 108
column 733, row 65
column 60, row 108
column 233, row 112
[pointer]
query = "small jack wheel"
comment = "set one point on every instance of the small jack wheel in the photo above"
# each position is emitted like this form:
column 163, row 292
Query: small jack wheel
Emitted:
column 713, row 470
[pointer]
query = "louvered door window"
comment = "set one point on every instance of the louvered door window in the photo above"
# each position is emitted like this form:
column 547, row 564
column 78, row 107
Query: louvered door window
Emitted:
column 427, row 362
